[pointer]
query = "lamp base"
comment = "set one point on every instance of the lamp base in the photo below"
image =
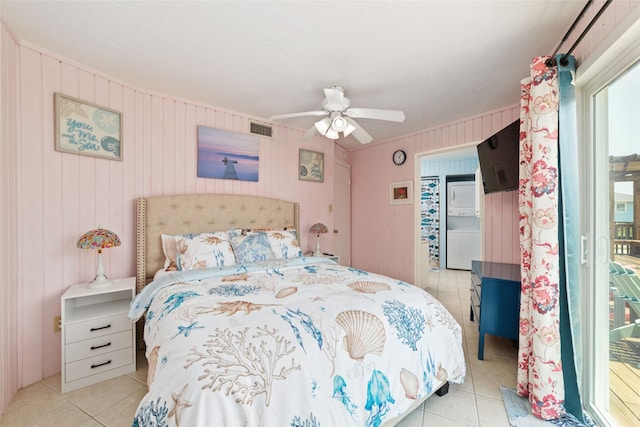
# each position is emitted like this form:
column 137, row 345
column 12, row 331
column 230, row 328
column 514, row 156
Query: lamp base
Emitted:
column 317, row 252
column 100, row 282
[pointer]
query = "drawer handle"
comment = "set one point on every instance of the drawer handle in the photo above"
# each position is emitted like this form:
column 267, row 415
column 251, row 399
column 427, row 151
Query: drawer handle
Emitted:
column 101, row 327
column 95, row 347
column 100, row 364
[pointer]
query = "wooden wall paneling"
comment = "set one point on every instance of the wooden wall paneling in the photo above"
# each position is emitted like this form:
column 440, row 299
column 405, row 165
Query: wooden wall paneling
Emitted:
column 52, row 238
column 169, row 166
column 115, row 199
column 179, row 144
column 130, row 186
column 88, row 187
column 103, row 178
column 157, row 146
column 201, row 120
column 70, row 183
column 10, row 309
column 189, row 148
column 32, row 213
column 147, row 142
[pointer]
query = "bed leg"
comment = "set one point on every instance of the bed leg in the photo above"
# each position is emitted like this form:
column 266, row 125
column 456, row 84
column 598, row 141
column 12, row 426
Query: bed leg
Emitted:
column 443, row 390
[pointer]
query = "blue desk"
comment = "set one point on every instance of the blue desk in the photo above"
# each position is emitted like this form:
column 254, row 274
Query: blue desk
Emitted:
column 495, row 300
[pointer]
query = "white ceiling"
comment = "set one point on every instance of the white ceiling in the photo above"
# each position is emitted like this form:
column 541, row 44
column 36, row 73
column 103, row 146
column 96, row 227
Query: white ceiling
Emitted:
column 438, row 61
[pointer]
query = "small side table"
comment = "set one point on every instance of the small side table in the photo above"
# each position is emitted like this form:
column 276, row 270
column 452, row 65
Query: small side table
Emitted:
column 98, row 339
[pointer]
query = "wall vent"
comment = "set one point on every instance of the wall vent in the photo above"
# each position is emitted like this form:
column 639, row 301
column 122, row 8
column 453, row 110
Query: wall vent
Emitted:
column 260, row 129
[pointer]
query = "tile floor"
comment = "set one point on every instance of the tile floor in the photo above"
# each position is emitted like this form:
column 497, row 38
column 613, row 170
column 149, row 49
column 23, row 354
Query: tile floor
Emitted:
column 476, row 402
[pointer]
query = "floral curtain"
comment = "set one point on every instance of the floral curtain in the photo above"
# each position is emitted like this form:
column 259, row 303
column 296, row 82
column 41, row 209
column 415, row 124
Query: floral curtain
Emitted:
column 540, row 375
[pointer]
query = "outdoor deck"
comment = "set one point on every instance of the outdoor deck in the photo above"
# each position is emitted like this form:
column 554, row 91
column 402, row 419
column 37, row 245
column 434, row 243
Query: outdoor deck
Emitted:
column 624, row 367
column 624, row 381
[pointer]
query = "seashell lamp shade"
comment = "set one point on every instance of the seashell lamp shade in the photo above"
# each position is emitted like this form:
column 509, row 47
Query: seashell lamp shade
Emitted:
column 99, row 239
column 318, row 228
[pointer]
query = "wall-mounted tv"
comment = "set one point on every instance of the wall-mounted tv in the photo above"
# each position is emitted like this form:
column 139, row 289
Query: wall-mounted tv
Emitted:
column 499, row 159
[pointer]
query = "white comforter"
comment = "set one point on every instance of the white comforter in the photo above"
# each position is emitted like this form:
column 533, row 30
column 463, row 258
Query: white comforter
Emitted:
column 301, row 342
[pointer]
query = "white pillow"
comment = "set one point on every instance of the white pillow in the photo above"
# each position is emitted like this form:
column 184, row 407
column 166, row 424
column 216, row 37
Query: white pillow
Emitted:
column 203, row 250
column 284, row 243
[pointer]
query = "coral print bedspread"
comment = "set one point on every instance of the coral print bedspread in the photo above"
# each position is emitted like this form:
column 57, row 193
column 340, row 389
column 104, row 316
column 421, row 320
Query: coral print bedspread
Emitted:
column 298, row 342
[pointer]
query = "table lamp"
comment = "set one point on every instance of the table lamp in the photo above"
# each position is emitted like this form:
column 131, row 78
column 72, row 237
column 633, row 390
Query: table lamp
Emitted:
column 318, row 228
column 99, row 239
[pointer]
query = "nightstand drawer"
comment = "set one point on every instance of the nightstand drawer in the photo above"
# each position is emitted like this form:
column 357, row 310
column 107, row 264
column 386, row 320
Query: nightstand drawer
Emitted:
column 97, row 364
column 96, row 327
column 97, row 346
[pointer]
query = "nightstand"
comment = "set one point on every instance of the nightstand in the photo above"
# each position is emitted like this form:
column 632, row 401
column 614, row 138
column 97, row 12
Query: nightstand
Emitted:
column 98, row 339
column 335, row 258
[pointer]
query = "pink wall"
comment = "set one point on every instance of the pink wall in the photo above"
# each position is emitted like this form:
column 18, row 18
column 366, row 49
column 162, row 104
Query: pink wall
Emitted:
column 62, row 195
column 384, row 234
column 9, row 278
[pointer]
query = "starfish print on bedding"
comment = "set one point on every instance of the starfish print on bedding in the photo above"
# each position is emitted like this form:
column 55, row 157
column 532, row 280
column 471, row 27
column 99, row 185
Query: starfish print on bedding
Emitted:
column 180, row 405
column 186, row 330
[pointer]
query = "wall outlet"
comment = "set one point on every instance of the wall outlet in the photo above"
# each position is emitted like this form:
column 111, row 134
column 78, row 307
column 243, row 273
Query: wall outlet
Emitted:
column 57, row 324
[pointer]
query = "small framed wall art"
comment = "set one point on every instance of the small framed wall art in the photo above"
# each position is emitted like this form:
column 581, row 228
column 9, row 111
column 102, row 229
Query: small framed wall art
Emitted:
column 85, row 128
column 311, row 166
column 401, row 193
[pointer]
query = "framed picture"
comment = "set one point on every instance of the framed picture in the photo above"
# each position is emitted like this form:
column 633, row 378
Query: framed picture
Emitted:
column 401, row 193
column 85, row 128
column 223, row 154
column 311, row 166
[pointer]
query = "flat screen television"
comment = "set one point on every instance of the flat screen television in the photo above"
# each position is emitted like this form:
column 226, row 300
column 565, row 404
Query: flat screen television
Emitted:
column 499, row 159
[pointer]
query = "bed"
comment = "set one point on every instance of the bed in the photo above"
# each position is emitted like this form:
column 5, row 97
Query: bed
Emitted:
column 237, row 335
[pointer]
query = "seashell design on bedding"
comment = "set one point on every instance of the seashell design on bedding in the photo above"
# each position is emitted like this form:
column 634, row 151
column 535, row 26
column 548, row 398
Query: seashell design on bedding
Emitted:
column 153, row 362
column 364, row 333
column 409, row 383
column 441, row 373
column 285, row 292
column 367, row 287
column 232, row 307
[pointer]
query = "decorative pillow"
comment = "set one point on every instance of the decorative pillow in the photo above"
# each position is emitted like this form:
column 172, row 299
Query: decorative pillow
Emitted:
column 284, row 243
column 204, row 250
column 250, row 246
column 169, row 249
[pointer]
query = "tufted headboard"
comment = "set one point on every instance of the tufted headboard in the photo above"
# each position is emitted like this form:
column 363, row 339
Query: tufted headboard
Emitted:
column 199, row 213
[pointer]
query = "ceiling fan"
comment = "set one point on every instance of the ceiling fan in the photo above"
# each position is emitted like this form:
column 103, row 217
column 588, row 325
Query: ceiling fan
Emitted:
column 340, row 117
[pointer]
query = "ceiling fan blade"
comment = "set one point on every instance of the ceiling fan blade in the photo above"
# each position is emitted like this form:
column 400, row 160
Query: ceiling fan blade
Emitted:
column 359, row 133
column 308, row 134
column 305, row 113
column 334, row 95
column 374, row 113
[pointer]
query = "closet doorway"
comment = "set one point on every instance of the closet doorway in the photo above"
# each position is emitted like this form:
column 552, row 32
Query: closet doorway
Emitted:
column 432, row 168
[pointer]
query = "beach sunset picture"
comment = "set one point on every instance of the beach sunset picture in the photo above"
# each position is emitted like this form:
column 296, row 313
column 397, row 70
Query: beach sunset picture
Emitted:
column 227, row 155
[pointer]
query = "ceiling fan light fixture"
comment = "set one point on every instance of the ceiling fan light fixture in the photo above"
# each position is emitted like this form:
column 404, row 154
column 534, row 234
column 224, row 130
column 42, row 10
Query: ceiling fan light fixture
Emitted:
column 332, row 134
column 339, row 124
column 322, row 126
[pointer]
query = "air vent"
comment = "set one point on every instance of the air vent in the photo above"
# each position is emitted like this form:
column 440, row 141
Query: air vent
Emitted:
column 260, row 129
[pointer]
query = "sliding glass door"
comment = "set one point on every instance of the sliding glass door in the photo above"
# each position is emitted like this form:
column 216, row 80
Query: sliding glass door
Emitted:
column 611, row 264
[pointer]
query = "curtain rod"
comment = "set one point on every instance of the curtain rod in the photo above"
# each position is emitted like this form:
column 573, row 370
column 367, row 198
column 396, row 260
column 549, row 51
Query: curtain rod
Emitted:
column 551, row 62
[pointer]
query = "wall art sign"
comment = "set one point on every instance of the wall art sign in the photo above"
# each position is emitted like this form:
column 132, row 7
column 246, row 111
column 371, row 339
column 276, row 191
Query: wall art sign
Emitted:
column 85, row 128
column 224, row 154
column 401, row 193
column 311, row 166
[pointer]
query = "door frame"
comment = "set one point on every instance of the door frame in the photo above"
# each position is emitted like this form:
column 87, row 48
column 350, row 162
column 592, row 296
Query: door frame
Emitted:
column 417, row 161
column 614, row 56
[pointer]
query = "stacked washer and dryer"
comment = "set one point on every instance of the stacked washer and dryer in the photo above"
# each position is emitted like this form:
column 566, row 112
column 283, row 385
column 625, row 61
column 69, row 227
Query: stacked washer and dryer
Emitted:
column 463, row 224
